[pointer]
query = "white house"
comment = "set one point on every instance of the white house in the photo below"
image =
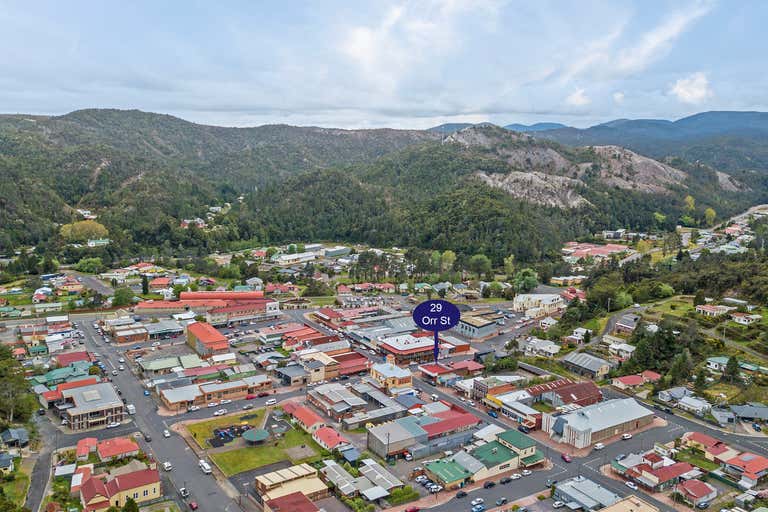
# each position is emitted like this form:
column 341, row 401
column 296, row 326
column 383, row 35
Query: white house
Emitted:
column 533, row 346
column 694, row 405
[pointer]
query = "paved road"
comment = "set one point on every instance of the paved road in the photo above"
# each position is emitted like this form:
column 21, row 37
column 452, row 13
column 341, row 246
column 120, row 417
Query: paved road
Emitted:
column 93, row 283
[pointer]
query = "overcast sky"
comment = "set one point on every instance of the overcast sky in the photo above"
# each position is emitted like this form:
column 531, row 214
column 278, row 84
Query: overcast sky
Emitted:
column 377, row 63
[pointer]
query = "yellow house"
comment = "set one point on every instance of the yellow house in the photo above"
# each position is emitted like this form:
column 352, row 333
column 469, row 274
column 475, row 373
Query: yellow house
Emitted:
column 97, row 494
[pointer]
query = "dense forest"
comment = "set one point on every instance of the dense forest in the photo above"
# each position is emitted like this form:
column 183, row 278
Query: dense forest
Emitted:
column 143, row 173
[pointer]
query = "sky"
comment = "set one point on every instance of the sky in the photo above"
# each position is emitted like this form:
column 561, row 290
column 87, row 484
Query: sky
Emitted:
column 406, row 64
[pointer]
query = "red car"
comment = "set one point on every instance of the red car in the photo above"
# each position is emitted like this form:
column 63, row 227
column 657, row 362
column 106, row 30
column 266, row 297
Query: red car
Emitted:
column 262, row 394
column 250, row 397
column 193, row 505
column 412, row 509
column 567, row 458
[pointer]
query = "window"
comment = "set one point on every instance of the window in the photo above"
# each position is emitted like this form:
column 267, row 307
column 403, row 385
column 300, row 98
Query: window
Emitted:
column 146, row 492
column 135, row 495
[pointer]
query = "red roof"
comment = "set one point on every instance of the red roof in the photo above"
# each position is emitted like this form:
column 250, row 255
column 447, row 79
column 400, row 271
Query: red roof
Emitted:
column 294, row 502
column 329, row 438
column 342, row 288
column 668, row 473
column 116, row 447
column 85, row 445
column 305, row 416
column 578, row 392
column 206, row 333
column 701, row 438
column 653, row 457
column 695, row 489
column 68, row 358
column 56, row 393
column 433, row 369
column 160, row 281
column 329, row 313
column 469, row 365
column 540, row 389
column 259, row 304
column 751, row 463
column 450, row 425
column 651, row 376
column 221, row 295
column 631, row 380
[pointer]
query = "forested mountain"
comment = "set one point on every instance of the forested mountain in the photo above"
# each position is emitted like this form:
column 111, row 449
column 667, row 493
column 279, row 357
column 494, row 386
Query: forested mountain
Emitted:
column 727, row 141
column 536, row 127
column 478, row 189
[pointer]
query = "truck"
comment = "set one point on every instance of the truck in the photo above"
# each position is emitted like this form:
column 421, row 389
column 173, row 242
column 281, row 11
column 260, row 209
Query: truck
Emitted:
column 130, row 408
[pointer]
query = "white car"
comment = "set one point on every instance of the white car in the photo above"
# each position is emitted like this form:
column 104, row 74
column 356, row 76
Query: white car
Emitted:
column 166, row 433
column 113, row 424
column 626, row 436
column 193, row 408
column 155, row 343
column 599, row 446
column 477, row 501
column 526, row 472
column 271, row 401
column 121, row 360
column 515, row 476
column 114, row 372
column 471, row 403
column 225, row 401
column 121, row 367
column 220, row 412
column 167, row 466
column 631, row 485
column 558, row 504
column 213, row 404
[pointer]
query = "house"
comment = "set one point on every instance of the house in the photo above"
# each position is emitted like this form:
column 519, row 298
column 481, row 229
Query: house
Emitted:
column 713, row 311
column 631, row 503
column 588, row 365
column 533, row 346
column 15, row 437
column 329, row 439
column 6, row 463
column 752, row 469
column 581, row 492
column 697, row 406
column 673, row 395
column 97, row 494
column 717, row 363
column 307, row 419
column 635, row 381
column 294, row 502
column 597, row 422
column 695, row 492
column 621, row 350
column 160, row 283
column 627, row 324
column 713, row 449
column 656, row 477
column 578, row 335
column 547, row 322
column 116, row 448
column 745, row 318
column 536, row 305
column 752, row 411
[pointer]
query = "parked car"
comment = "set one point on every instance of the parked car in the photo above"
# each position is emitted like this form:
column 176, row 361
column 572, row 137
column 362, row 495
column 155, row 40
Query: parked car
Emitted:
column 114, row 424
column 493, row 414
column 626, row 436
column 501, row 501
column 114, row 372
column 147, row 438
column 461, row 494
column 478, row 508
column 412, row 509
column 184, row 492
column 505, row 480
column 247, row 406
column 558, row 504
column 167, row 466
column 631, row 485
column 599, row 446
column 515, row 476
column 477, row 501
column 489, row 484
column 526, row 472
column 703, row 505
column 146, row 392
column 213, row 404
column 166, row 433
column 566, row 457
column 523, row 429
column 193, row 408
column 756, row 427
column 225, row 401
column 271, row 401
column 193, row 505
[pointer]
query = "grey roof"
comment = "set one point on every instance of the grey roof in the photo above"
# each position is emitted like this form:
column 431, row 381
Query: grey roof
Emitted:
column 390, row 370
column 335, row 393
column 751, row 410
column 585, row 360
column 606, row 414
column 409, row 401
column 314, row 364
column 5, row 460
column 376, row 473
column 629, row 320
column 92, row 398
column 163, row 326
column 677, row 393
column 467, row 461
column 292, row 371
column 339, row 477
column 15, row 435
column 182, row 394
column 587, row 493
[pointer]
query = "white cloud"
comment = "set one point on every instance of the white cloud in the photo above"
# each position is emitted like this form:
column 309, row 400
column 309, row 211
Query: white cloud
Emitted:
column 618, row 97
column 578, row 98
column 693, row 89
column 658, row 41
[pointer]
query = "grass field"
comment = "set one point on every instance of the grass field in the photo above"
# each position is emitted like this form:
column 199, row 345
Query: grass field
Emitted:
column 675, row 306
column 16, row 491
column 323, row 301
column 203, row 430
column 245, row 459
column 696, row 459
column 596, row 325
column 165, row 506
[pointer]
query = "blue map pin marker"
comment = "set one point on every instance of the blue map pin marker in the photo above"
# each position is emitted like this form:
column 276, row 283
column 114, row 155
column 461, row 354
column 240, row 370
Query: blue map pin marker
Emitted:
column 436, row 315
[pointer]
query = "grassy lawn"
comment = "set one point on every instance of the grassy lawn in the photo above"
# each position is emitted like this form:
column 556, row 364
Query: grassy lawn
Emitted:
column 675, row 306
column 697, row 459
column 16, row 491
column 543, row 407
column 245, row 459
column 203, row 430
column 596, row 325
column 165, row 506
column 729, row 390
column 550, row 365
column 322, row 301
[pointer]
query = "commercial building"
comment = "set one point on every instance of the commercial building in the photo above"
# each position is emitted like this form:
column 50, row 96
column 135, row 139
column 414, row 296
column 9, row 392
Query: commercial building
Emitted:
column 299, row 478
column 479, row 326
column 391, row 377
column 586, row 365
column 294, row 502
column 96, row 405
column 597, row 422
column 580, row 492
column 179, row 399
column 206, row 340
column 408, row 348
column 631, row 504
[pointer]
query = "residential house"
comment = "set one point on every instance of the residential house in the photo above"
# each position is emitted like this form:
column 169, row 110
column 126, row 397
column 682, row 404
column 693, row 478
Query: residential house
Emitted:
column 533, row 346
column 294, row 502
column 631, row 382
column 97, row 493
column 15, row 437
column 751, row 469
column 745, row 318
column 329, row 438
column 6, row 463
column 751, row 411
column 673, row 395
column 621, row 350
column 627, row 324
column 116, row 448
column 697, row 406
column 695, row 492
column 713, row 449
column 713, row 311
column 547, row 322
column 307, row 419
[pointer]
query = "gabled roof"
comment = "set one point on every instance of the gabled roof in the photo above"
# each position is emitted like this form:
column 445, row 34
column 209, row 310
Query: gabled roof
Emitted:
column 667, row 473
column 306, row 416
column 116, row 447
column 695, row 488
column 329, row 437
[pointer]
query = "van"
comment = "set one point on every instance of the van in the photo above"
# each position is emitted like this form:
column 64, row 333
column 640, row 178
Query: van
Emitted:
column 271, row 401
column 435, row 398
column 205, row 467
column 130, row 408
column 599, row 446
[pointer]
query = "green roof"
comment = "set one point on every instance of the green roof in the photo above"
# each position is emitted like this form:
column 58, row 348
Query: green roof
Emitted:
column 533, row 459
column 37, row 349
column 191, row 361
column 493, row 453
column 255, row 435
column 516, row 439
column 160, row 364
column 448, row 471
